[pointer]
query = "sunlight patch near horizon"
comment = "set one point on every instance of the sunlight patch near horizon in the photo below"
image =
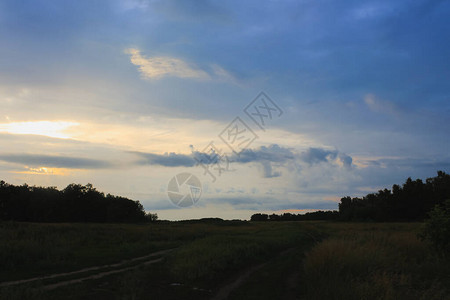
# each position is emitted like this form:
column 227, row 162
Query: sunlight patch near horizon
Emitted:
column 43, row 171
column 54, row 129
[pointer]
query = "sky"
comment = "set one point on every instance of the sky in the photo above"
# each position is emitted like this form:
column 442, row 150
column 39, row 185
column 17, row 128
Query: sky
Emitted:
column 274, row 106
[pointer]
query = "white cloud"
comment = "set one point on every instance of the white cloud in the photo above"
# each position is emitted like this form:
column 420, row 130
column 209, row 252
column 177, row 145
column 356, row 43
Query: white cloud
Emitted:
column 222, row 74
column 377, row 105
column 160, row 66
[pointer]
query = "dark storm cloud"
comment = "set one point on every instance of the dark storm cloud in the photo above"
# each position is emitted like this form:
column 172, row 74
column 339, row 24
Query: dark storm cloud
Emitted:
column 272, row 153
column 346, row 160
column 318, row 155
column 166, row 160
column 268, row 158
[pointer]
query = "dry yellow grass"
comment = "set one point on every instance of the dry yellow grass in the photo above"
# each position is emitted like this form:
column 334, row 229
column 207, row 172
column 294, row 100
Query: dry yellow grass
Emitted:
column 374, row 261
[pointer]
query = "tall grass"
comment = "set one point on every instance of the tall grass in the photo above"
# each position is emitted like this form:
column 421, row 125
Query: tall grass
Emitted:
column 215, row 256
column 34, row 249
column 354, row 261
column 381, row 261
column 28, row 249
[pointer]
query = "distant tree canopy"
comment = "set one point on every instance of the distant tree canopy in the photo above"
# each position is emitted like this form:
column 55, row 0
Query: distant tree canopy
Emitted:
column 318, row 215
column 410, row 202
column 75, row 203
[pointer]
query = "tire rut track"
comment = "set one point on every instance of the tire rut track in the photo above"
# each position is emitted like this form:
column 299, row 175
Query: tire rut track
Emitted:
column 90, row 269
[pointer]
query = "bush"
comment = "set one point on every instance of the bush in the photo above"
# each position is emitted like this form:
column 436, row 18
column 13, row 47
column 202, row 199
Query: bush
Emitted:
column 437, row 227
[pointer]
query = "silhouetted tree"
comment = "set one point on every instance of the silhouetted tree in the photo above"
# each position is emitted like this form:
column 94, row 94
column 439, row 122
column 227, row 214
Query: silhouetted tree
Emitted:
column 151, row 217
column 409, row 202
column 274, row 217
column 75, row 203
column 317, row 215
column 259, row 217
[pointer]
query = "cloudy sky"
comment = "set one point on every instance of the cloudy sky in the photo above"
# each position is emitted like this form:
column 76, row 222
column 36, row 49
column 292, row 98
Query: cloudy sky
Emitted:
column 127, row 94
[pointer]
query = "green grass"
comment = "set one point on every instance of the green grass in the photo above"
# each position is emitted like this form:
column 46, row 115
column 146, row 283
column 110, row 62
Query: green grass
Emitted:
column 216, row 256
column 28, row 250
column 277, row 279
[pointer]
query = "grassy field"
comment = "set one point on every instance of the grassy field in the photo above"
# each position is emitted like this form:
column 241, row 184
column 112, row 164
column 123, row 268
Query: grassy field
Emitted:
column 242, row 260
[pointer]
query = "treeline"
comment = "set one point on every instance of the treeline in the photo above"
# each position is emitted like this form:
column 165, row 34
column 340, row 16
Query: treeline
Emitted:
column 318, row 215
column 75, row 203
column 410, row 202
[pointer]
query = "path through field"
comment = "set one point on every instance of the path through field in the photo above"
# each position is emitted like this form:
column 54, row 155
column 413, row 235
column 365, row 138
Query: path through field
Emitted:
column 86, row 273
column 226, row 290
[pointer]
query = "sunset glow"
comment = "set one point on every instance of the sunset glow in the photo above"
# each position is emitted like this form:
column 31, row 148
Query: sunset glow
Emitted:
column 56, row 129
column 128, row 94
